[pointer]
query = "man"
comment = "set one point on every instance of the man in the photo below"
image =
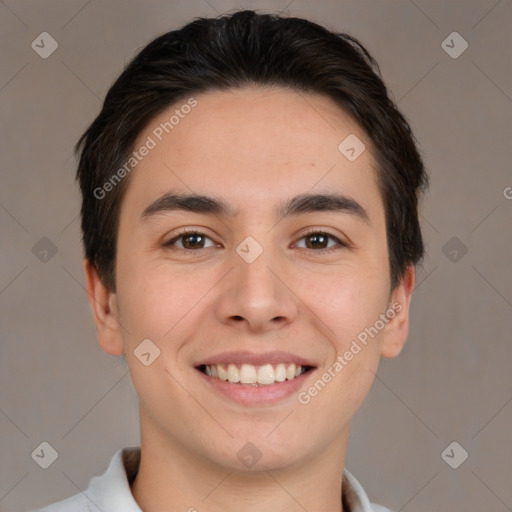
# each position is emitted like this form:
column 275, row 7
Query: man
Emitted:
column 250, row 224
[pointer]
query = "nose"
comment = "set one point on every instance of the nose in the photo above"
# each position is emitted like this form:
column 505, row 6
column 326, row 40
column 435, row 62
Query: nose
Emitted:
column 257, row 296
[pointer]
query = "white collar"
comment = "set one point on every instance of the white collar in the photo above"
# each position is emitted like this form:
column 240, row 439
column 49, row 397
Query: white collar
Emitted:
column 111, row 491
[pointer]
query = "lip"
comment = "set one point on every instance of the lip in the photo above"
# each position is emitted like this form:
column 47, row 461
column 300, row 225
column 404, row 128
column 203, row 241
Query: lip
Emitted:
column 255, row 359
column 255, row 395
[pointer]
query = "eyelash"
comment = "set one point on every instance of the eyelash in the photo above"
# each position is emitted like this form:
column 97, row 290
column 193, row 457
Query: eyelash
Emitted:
column 187, row 232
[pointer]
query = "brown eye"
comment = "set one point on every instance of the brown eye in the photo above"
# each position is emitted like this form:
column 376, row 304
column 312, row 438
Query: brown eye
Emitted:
column 189, row 240
column 319, row 241
column 193, row 241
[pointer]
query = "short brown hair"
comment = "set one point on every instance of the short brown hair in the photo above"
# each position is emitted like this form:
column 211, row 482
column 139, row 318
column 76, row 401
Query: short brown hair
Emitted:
column 233, row 51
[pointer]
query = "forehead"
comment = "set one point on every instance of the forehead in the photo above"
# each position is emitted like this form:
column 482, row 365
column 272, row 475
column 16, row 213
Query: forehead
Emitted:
column 250, row 146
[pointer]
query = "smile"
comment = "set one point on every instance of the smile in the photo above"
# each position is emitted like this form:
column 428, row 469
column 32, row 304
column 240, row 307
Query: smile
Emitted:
column 248, row 374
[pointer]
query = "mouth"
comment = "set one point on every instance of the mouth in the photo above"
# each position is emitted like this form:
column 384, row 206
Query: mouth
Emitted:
column 255, row 379
column 246, row 374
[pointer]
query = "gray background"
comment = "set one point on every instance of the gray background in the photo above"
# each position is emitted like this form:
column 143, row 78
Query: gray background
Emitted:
column 453, row 380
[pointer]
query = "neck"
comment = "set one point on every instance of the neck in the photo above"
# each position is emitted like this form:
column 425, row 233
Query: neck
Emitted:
column 173, row 477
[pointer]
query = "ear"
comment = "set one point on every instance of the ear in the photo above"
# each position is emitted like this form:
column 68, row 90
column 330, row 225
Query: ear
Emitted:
column 397, row 329
column 105, row 309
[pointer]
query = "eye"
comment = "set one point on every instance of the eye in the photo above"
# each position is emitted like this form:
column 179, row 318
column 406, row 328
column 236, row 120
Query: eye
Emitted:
column 319, row 240
column 190, row 240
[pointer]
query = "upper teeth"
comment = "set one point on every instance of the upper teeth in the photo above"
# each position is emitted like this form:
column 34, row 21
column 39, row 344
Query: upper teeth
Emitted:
column 249, row 374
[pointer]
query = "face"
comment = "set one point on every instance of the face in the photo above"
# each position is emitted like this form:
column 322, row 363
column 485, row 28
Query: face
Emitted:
column 268, row 279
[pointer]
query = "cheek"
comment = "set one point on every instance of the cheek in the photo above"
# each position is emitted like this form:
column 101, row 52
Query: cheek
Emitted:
column 154, row 299
column 347, row 302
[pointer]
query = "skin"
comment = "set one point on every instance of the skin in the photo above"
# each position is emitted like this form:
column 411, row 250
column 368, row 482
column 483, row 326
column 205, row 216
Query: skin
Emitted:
column 254, row 148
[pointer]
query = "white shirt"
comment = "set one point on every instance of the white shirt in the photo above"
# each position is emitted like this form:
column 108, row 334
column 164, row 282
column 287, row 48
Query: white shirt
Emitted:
column 111, row 491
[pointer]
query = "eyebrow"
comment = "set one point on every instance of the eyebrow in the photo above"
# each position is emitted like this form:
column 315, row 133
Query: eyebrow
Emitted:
column 302, row 203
